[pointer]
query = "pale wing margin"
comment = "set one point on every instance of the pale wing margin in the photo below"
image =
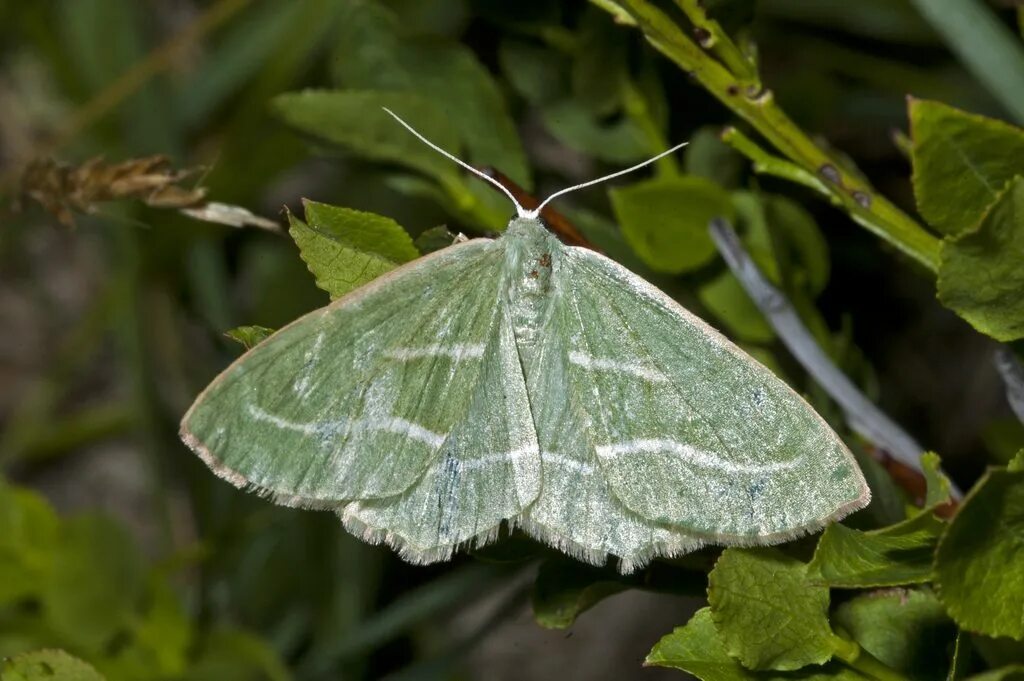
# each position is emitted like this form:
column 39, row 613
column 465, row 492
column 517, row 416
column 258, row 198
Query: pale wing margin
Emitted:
column 354, row 400
column 690, row 431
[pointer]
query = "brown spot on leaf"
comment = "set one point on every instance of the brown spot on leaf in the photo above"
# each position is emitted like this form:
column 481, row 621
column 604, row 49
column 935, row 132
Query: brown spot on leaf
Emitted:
column 545, row 260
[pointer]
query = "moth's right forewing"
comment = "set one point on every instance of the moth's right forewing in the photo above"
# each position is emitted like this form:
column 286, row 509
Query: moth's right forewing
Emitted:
column 354, row 400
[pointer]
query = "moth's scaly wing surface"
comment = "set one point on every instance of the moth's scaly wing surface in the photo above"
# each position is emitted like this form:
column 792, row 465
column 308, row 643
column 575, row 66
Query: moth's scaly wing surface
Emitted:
column 488, row 470
column 354, row 401
column 688, row 430
column 576, row 511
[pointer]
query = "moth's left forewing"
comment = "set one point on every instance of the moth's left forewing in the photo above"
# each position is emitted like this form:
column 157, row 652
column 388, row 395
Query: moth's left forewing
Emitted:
column 690, row 430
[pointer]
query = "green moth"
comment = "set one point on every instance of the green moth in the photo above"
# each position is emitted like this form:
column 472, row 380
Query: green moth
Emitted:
column 518, row 380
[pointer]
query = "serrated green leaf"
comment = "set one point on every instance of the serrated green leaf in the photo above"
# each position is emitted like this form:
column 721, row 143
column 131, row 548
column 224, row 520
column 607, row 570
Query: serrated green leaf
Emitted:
column 249, row 336
column 48, row 665
column 346, row 248
column 980, row 273
column 665, row 220
column 357, row 121
column 906, row 630
column 961, row 163
column 698, row 649
column 977, row 565
column 899, row 554
column 565, row 589
column 768, row 612
column 96, row 584
column 726, row 298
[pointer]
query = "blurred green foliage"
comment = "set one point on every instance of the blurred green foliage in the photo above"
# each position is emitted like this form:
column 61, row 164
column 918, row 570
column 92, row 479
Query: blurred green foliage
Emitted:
column 126, row 314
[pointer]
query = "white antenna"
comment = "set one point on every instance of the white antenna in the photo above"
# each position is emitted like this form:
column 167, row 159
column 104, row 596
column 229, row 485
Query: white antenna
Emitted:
column 536, row 211
column 519, row 209
column 522, row 212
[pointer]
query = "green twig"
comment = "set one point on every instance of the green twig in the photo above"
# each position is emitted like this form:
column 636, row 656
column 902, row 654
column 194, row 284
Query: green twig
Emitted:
column 855, row 657
column 767, row 164
column 758, row 107
column 711, row 37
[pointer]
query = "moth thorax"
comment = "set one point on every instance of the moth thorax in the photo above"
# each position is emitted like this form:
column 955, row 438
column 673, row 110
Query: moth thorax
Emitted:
column 530, row 266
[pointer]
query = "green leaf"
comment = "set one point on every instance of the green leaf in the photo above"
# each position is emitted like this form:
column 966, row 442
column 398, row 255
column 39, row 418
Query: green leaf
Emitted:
column 726, row 298
column 565, row 589
column 161, row 640
column 372, row 53
column 619, row 142
column 907, row 630
column 47, row 665
column 977, row 565
column 537, row 74
column 434, row 239
column 900, row 554
column 600, row 67
column 980, row 273
column 665, row 220
column 1017, row 462
column 358, row 122
column 799, row 247
column 1014, row 672
column 708, row 156
column 767, row 610
column 28, row 540
column 96, row 584
column 234, row 655
column 961, row 163
column 937, row 488
column 698, row 649
column 249, row 336
column 346, row 248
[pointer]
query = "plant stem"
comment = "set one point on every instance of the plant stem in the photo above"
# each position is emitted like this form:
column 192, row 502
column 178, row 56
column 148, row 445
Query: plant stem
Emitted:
column 711, row 37
column 757, row 106
column 772, row 165
column 855, row 657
